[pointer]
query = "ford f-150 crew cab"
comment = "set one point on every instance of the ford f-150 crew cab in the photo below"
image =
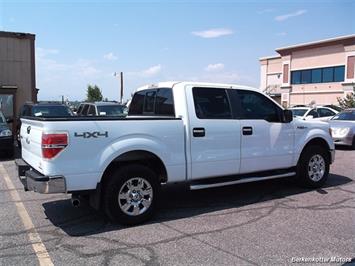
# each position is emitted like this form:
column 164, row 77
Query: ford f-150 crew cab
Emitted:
column 203, row 134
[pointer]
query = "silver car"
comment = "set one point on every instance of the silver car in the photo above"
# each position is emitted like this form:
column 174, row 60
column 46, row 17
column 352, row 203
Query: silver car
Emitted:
column 343, row 127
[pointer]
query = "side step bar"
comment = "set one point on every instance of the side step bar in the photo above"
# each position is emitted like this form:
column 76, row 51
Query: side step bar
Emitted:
column 239, row 181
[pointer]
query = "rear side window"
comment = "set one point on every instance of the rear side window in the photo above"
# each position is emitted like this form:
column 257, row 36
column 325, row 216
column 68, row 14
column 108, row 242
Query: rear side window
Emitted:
column 25, row 111
column 158, row 102
column 164, row 103
column 85, row 109
column 149, row 102
column 211, row 103
column 92, row 110
column 136, row 106
column 313, row 113
column 80, row 109
column 323, row 112
column 254, row 105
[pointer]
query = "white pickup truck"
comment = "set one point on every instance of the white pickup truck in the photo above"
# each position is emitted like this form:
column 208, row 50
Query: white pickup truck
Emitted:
column 204, row 134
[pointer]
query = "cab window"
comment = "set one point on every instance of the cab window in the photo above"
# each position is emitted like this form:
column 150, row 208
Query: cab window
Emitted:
column 313, row 113
column 211, row 103
column 254, row 105
column 156, row 102
column 325, row 112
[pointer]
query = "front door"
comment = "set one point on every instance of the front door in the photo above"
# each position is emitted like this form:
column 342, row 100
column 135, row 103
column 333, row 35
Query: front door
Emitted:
column 266, row 142
column 214, row 134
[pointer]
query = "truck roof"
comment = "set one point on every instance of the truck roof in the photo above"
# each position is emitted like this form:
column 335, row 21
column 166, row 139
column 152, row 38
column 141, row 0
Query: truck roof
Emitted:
column 171, row 84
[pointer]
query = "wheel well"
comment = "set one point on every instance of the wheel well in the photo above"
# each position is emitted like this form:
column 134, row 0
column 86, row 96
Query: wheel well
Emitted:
column 317, row 142
column 138, row 157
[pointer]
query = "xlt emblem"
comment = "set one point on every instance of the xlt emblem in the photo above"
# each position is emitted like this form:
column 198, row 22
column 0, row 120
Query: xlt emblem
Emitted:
column 87, row 135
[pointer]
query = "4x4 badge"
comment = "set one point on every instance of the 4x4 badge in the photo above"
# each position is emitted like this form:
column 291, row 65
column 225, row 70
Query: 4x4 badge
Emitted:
column 87, row 135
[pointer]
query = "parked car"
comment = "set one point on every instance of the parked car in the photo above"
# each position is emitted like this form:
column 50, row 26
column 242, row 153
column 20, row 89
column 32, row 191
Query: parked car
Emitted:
column 334, row 107
column 203, row 134
column 6, row 137
column 319, row 113
column 102, row 109
column 343, row 128
column 41, row 110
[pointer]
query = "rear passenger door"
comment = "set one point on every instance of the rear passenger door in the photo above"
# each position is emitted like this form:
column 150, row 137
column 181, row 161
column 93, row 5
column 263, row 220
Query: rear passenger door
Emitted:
column 214, row 134
column 266, row 142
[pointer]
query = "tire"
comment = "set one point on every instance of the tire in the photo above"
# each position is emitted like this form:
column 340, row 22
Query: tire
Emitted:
column 130, row 194
column 353, row 144
column 313, row 167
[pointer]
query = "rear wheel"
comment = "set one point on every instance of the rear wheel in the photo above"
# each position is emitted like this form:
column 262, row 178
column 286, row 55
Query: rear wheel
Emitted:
column 131, row 194
column 313, row 167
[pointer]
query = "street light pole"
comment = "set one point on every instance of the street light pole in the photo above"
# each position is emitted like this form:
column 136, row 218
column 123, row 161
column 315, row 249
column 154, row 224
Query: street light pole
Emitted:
column 121, row 83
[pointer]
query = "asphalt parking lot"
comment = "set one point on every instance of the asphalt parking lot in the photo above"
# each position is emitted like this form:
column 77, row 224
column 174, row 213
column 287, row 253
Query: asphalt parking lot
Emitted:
column 266, row 223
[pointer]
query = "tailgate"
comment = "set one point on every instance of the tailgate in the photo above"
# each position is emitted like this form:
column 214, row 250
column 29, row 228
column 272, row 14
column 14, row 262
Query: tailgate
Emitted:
column 31, row 138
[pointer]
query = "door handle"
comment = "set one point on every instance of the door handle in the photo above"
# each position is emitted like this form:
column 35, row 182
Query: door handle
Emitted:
column 198, row 132
column 247, row 131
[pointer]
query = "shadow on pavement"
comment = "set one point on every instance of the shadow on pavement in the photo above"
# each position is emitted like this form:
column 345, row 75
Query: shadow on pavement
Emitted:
column 4, row 157
column 178, row 202
column 343, row 148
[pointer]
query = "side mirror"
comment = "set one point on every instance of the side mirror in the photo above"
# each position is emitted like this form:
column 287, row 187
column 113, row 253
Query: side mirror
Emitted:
column 309, row 117
column 9, row 120
column 288, row 116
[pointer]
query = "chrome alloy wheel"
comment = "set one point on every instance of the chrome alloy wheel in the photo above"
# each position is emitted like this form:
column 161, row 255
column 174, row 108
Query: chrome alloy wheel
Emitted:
column 135, row 196
column 316, row 167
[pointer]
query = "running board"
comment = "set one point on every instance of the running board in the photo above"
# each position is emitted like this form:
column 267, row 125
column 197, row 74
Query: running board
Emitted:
column 239, row 181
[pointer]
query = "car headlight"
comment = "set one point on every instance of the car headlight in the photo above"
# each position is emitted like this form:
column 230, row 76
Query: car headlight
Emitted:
column 340, row 132
column 5, row 133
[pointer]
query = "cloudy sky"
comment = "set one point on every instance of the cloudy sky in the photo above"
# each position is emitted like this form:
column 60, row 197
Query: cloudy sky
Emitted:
column 85, row 42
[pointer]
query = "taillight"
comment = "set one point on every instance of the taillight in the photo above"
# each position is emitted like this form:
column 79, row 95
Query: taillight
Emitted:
column 52, row 144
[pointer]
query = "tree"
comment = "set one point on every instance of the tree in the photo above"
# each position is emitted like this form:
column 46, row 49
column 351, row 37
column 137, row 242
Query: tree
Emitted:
column 93, row 94
column 348, row 101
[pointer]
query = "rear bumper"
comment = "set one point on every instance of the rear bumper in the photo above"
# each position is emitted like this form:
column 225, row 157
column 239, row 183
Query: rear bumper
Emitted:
column 35, row 181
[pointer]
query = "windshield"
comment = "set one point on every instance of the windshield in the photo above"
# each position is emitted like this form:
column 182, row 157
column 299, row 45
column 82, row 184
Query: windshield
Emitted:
column 345, row 115
column 111, row 110
column 2, row 118
column 299, row 112
column 51, row 111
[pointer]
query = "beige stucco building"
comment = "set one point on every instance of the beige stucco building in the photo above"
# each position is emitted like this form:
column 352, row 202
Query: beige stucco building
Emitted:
column 17, row 71
column 310, row 73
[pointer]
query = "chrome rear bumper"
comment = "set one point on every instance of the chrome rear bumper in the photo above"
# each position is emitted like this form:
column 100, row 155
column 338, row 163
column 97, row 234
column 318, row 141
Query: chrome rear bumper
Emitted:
column 35, row 181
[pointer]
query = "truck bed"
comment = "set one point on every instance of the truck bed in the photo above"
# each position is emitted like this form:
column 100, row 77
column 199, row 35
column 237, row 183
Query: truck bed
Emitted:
column 94, row 142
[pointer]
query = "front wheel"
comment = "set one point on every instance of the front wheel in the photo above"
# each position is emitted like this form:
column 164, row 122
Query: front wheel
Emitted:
column 313, row 167
column 131, row 194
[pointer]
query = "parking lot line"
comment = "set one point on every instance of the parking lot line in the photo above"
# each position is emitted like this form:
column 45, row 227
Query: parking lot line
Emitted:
column 36, row 241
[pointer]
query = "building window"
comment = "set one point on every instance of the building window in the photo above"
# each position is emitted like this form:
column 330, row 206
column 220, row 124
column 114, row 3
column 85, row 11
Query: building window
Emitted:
column 328, row 74
column 306, row 76
column 296, row 77
column 339, row 73
column 318, row 75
